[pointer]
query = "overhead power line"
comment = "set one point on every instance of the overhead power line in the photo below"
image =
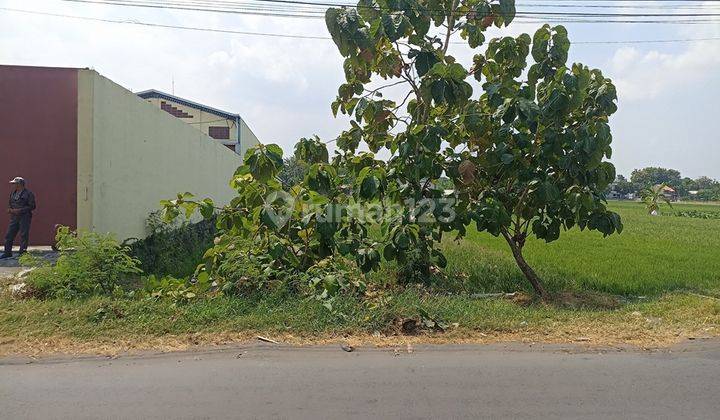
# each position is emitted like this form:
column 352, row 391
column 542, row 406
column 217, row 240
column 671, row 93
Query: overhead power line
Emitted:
column 273, row 10
column 220, row 3
column 299, row 36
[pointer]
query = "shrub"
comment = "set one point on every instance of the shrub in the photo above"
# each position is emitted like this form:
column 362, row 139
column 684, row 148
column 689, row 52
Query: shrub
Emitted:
column 89, row 264
column 245, row 272
column 173, row 249
column 246, row 269
column 697, row 214
column 333, row 277
column 178, row 290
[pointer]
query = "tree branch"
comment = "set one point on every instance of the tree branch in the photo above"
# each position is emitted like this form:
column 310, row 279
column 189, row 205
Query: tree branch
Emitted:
column 451, row 24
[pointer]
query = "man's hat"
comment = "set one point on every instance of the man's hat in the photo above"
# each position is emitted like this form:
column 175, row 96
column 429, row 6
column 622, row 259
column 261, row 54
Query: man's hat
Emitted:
column 18, row 180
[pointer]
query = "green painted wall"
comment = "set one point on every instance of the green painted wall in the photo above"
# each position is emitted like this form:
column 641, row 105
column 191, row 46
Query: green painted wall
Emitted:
column 141, row 155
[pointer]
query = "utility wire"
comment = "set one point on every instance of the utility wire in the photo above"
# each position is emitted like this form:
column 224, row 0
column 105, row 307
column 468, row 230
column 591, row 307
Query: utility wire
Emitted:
column 200, row 6
column 220, row 3
column 298, row 36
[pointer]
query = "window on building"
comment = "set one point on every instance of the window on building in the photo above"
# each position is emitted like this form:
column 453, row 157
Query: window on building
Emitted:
column 220, row 133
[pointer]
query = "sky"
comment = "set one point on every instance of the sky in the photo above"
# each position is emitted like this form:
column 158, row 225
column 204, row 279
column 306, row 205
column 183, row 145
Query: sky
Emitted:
column 669, row 93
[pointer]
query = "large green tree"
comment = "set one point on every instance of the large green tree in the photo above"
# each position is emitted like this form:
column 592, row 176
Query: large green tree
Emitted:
column 651, row 176
column 522, row 134
column 526, row 152
column 706, row 183
column 623, row 186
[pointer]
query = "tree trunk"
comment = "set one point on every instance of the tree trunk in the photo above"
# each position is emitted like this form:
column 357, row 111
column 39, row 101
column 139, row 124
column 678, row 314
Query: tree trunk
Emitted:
column 524, row 267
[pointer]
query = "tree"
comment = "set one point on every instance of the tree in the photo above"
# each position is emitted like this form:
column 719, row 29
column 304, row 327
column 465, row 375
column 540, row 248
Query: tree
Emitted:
column 526, row 153
column 526, row 156
column 688, row 184
column 623, row 186
column 652, row 196
column 710, row 194
column 705, row 183
column 651, row 176
column 292, row 173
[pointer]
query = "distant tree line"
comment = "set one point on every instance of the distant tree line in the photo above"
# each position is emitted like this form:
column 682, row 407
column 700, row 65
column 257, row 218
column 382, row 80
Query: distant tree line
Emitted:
column 702, row 189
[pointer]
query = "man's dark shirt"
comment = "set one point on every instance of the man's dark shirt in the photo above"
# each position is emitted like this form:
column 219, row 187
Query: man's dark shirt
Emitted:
column 23, row 200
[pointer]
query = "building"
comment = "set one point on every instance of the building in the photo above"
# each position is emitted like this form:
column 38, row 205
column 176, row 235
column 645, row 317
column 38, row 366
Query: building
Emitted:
column 225, row 127
column 669, row 193
column 97, row 156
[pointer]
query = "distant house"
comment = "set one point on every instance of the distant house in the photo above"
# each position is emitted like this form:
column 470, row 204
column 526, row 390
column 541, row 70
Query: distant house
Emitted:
column 669, row 193
column 614, row 195
column 226, row 128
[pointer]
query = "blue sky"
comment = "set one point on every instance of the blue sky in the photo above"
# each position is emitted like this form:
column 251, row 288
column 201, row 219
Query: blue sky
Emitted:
column 669, row 94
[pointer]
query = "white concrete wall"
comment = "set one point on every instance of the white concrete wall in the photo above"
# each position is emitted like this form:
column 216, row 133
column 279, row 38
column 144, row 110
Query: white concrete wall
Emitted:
column 142, row 155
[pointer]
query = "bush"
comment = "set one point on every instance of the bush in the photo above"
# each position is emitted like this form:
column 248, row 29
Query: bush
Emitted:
column 697, row 214
column 173, row 249
column 333, row 277
column 246, row 270
column 244, row 273
column 89, row 264
column 177, row 290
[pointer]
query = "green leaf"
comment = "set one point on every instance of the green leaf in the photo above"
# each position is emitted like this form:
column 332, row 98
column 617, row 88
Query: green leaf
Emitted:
column 424, row 61
column 541, row 42
column 389, row 252
column 207, row 208
column 311, row 151
column 264, row 162
column 507, row 11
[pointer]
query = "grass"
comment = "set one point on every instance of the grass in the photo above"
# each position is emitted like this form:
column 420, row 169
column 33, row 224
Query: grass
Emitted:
column 653, row 255
column 38, row 327
column 657, row 267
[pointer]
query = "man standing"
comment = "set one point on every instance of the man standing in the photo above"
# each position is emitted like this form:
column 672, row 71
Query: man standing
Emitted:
column 20, row 208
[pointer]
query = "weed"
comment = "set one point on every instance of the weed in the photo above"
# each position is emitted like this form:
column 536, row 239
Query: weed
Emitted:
column 173, row 249
column 89, row 264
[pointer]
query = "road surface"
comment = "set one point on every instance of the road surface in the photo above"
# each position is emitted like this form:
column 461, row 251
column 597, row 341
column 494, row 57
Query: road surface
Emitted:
column 440, row 382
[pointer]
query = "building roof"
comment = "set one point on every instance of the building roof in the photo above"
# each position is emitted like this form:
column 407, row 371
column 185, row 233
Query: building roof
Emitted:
column 152, row 93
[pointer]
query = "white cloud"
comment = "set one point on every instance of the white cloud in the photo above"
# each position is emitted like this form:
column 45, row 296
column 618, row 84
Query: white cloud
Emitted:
column 646, row 75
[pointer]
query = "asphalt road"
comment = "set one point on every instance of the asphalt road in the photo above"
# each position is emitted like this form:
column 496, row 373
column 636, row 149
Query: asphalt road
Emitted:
column 431, row 382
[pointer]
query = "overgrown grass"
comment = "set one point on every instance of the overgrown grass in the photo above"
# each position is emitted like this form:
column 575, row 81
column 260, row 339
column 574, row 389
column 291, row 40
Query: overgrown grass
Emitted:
column 654, row 254
column 128, row 323
column 652, row 257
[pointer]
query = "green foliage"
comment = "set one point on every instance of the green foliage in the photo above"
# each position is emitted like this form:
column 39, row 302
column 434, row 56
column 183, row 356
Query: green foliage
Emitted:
column 293, row 173
column 247, row 270
column 89, row 264
column 178, row 290
column 653, row 196
column 331, row 278
column 651, row 176
column 705, row 183
column 173, row 248
column 712, row 194
column 696, row 214
column 623, row 186
column 528, row 156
